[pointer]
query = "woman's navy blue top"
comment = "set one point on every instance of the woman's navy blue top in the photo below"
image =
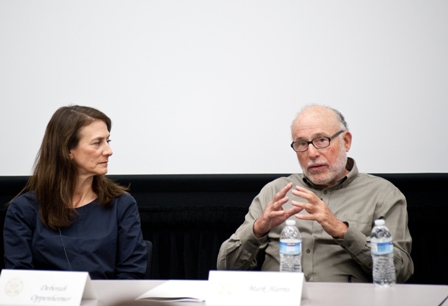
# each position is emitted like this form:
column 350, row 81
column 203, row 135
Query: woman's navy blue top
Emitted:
column 107, row 242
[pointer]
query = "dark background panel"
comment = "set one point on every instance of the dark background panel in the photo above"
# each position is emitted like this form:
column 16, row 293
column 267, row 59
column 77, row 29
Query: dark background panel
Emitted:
column 187, row 217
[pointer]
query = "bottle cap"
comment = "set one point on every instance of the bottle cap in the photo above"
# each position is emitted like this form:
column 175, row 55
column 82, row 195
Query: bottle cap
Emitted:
column 379, row 222
column 290, row 222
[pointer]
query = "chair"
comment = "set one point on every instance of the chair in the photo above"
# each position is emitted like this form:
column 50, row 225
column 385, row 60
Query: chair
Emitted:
column 148, row 259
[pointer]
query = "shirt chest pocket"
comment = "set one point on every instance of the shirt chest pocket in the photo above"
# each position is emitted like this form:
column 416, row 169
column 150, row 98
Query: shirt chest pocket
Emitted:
column 359, row 221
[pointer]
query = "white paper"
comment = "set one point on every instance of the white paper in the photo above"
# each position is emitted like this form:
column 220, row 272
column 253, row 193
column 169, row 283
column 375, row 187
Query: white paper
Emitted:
column 177, row 290
column 255, row 288
column 36, row 287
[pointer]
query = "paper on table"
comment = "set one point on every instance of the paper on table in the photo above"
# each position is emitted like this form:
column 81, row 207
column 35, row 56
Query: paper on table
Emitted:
column 177, row 290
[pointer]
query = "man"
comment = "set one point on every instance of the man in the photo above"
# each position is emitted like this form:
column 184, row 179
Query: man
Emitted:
column 335, row 205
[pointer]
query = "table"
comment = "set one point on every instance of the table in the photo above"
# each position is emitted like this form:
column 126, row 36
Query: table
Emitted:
column 111, row 292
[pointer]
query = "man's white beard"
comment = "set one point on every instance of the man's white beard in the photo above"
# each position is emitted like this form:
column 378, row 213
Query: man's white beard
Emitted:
column 334, row 170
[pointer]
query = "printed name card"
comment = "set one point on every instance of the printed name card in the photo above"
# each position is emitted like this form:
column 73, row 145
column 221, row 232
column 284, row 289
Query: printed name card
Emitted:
column 256, row 288
column 34, row 287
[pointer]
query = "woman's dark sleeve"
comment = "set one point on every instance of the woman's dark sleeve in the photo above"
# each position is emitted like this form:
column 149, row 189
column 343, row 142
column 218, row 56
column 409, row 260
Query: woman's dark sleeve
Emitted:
column 20, row 222
column 131, row 248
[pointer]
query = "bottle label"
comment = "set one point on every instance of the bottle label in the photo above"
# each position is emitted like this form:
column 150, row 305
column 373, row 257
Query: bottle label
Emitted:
column 381, row 248
column 290, row 246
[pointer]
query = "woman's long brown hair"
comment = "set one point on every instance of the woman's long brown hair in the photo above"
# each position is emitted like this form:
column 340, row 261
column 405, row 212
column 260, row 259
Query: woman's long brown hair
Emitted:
column 55, row 174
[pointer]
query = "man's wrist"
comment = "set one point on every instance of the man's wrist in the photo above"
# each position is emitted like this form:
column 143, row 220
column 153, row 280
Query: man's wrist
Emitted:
column 256, row 230
column 343, row 231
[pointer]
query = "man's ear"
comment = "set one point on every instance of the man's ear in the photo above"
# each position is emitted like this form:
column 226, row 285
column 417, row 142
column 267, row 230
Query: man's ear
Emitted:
column 347, row 140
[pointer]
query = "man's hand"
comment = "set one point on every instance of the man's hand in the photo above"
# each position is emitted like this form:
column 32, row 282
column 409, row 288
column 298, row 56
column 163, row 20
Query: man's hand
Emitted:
column 274, row 214
column 318, row 211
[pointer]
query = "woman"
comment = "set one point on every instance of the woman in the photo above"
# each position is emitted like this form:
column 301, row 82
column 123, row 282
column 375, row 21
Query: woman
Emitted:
column 69, row 215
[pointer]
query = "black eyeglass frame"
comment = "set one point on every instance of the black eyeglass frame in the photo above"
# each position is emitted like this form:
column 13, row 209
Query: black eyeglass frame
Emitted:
column 312, row 141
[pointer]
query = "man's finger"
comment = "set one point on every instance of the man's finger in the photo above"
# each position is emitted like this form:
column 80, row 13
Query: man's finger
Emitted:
column 303, row 205
column 283, row 191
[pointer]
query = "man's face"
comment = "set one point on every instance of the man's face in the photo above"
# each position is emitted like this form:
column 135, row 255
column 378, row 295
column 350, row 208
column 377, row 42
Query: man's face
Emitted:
column 324, row 167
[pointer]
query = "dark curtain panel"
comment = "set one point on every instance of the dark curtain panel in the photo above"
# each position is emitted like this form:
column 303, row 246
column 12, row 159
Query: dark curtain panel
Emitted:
column 187, row 217
column 187, row 238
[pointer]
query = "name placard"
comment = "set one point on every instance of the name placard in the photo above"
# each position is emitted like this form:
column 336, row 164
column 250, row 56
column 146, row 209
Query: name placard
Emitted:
column 255, row 288
column 35, row 287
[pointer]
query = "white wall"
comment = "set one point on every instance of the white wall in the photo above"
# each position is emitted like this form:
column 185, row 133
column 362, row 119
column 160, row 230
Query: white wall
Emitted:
column 205, row 86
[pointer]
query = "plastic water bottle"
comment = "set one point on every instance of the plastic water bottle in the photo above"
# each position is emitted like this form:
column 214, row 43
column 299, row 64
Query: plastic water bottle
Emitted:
column 290, row 248
column 382, row 255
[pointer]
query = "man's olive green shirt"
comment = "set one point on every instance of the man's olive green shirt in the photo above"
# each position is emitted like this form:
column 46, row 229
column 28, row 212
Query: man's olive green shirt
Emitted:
column 357, row 199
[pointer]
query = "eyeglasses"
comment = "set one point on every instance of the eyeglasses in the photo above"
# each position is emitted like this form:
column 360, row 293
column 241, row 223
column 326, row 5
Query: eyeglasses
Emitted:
column 318, row 142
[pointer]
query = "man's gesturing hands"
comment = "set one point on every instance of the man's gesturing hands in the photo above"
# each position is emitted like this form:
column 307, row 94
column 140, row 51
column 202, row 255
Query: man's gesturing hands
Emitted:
column 317, row 210
column 274, row 214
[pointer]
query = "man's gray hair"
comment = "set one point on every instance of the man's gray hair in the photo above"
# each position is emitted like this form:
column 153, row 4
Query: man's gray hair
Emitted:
column 341, row 118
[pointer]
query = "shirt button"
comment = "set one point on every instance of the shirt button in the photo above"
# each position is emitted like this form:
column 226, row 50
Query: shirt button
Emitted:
column 308, row 251
column 325, row 192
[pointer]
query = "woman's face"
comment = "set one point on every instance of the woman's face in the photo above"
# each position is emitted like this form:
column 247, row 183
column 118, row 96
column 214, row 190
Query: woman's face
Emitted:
column 92, row 153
